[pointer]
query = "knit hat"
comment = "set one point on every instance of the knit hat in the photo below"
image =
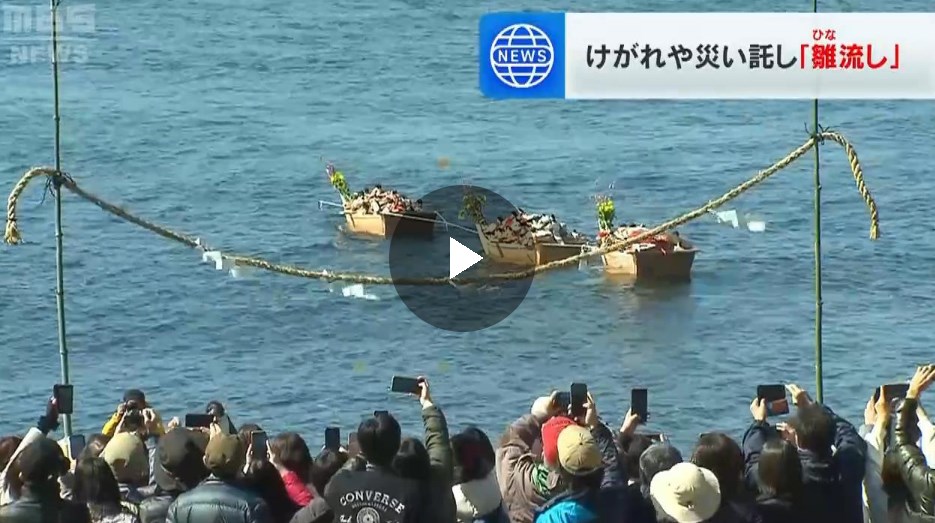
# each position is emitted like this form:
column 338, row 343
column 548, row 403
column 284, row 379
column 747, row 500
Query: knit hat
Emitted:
column 686, row 493
column 550, row 434
column 180, row 463
column 224, row 455
column 41, row 461
column 578, row 452
column 128, row 459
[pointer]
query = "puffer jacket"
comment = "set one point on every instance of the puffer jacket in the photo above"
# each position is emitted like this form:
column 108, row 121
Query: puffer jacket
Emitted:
column 916, row 474
column 217, row 500
column 33, row 508
column 441, row 502
column 526, row 483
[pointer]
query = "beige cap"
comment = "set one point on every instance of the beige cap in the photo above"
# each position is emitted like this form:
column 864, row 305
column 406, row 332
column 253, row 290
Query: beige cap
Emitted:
column 578, row 452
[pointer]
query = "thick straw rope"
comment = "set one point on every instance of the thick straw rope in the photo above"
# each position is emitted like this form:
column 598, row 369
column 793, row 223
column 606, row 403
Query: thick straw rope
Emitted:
column 12, row 235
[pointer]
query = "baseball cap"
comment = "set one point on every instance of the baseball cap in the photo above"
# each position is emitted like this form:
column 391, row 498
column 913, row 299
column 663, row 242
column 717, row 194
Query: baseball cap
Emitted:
column 578, row 452
column 224, row 455
column 686, row 493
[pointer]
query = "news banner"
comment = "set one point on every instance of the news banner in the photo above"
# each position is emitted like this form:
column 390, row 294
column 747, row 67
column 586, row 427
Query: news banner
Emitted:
column 708, row 55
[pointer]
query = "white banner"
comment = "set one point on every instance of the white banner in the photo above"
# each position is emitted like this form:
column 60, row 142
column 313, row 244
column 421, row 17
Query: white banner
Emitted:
column 750, row 55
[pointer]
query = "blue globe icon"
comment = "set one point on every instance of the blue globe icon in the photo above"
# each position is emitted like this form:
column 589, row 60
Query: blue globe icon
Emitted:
column 521, row 56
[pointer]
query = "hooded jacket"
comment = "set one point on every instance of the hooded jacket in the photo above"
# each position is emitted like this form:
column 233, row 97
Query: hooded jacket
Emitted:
column 833, row 484
column 916, row 474
column 607, row 504
column 526, row 483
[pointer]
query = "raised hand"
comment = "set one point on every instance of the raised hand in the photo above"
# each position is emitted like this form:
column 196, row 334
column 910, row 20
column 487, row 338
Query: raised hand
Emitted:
column 591, row 419
column 758, row 410
column 883, row 407
column 630, row 423
column 924, row 377
column 799, row 396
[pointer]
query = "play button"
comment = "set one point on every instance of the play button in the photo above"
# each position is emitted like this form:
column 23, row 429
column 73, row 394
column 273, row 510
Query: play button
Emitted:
column 455, row 253
column 460, row 258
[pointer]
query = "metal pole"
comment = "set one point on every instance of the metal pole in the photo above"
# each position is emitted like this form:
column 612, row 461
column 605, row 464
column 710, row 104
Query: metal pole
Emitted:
column 57, row 187
column 819, row 385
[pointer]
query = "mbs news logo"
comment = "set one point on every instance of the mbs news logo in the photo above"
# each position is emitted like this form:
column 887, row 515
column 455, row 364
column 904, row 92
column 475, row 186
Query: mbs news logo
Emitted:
column 522, row 55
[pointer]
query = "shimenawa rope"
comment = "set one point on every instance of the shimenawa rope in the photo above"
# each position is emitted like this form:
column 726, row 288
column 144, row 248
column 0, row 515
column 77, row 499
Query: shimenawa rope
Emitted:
column 12, row 235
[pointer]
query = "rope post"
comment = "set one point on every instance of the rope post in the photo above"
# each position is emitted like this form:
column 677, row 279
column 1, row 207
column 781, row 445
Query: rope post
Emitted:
column 819, row 378
column 57, row 189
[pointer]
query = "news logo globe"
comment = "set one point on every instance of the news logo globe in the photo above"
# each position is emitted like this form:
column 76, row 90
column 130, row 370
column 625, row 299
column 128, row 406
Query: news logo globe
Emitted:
column 521, row 56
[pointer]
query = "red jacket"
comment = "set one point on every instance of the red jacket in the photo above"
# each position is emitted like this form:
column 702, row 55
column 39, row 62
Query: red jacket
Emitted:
column 298, row 492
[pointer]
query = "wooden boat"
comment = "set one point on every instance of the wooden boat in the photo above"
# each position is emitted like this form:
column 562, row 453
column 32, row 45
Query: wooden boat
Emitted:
column 412, row 224
column 665, row 257
column 516, row 254
column 651, row 263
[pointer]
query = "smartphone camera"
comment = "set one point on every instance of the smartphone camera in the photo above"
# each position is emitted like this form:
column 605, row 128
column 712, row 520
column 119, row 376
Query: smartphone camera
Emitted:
column 775, row 398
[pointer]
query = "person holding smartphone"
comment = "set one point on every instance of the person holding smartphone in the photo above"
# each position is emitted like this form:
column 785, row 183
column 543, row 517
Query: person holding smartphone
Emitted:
column 833, row 480
column 918, row 477
column 48, row 422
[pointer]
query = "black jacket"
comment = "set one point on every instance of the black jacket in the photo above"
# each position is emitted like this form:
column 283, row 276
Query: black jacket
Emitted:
column 376, row 494
column 317, row 511
column 216, row 500
column 30, row 508
column 833, row 484
column 782, row 510
column 915, row 473
column 736, row 512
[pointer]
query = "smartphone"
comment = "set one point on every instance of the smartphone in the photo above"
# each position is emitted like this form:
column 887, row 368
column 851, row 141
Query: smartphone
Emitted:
column 563, row 401
column 775, row 398
column 378, row 413
column 64, row 398
column 406, row 385
column 578, row 397
column 260, row 445
column 333, row 438
column 639, row 403
column 76, row 444
column 353, row 448
column 892, row 391
column 193, row 421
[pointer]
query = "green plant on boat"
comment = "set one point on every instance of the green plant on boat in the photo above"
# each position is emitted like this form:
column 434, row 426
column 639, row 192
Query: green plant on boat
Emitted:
column 605, row 212
column 472, row 207
column 338, row 182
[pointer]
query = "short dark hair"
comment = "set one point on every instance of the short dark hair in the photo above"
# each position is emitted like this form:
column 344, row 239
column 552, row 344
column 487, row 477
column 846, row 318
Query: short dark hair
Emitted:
column 814, row 428
column 412, row 460
column 780, row 471
column 379, row 438
column 720, row 454
column 326, row 465
column 292, row 452
column 631, row 448
column 657, row 458
column 473, row 455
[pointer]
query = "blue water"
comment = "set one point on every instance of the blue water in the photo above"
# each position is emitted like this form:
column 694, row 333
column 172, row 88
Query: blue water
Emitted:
column 213, row 118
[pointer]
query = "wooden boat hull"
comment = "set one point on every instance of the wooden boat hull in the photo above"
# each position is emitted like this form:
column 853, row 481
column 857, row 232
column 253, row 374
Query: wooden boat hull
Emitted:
column 384, row 226
column 513, row 254
column 651, row 264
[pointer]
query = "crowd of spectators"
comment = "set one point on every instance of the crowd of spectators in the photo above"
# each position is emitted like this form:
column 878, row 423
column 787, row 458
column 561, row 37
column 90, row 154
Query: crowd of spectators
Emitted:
column 558, row 463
